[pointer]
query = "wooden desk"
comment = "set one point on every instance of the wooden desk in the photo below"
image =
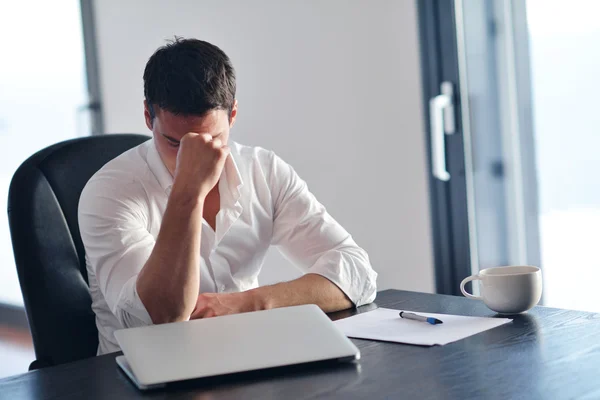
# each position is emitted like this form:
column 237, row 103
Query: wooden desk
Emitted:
column 545, row 354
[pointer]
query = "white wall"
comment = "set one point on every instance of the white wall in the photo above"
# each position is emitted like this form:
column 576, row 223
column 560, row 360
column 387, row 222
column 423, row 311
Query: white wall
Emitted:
column 332, row 86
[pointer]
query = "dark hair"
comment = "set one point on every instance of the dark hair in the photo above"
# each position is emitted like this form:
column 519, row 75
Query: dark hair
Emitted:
column 189, row 77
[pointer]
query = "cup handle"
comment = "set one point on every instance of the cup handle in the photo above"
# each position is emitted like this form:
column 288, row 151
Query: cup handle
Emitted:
column 464, row 282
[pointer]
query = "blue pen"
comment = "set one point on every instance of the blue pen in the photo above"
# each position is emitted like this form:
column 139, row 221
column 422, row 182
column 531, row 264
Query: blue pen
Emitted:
column 415, row 317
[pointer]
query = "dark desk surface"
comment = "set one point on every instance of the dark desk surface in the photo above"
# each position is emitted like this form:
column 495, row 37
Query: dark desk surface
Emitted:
column 547, row 354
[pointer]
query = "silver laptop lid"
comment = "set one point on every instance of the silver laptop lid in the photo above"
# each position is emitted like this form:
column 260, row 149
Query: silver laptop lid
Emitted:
column 233, row 343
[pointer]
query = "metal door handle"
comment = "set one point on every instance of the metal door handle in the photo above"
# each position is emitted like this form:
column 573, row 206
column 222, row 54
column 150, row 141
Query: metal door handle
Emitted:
column 441, row 113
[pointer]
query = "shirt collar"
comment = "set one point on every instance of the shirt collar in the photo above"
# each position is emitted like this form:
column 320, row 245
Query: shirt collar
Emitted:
column 231, row 173
column 158, row 168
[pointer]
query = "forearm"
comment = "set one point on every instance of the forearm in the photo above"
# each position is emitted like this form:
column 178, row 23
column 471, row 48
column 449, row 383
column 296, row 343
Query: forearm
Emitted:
column 308, row 289
column 169, row 282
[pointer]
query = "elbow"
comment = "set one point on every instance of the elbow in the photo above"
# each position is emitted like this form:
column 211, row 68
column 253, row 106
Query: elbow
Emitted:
column 166, row 313
column 369, row 292
column 131, row 318
column 367, row 297
column 163, row 308
column 166, row 318
column 371, row 295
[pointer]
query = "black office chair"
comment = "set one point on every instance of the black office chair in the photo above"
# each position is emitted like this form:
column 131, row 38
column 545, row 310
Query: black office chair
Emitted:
column 49, row 254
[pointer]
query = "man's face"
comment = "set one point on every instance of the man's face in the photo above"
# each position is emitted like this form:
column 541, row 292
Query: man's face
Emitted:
column 168, row 129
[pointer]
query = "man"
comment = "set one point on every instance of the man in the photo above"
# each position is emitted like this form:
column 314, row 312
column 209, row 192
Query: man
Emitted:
column 178, row 227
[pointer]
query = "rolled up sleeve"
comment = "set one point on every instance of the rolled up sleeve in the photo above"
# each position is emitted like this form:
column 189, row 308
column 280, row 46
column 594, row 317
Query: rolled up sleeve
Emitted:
column 309, row 237
column 117, row 245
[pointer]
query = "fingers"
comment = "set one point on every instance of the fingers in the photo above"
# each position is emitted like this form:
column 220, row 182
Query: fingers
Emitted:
column 223, row 150
column 204, row 307
column 205, row 312
column 204, row 137
column 201, row 159
column 216, row 143
column 199, row 313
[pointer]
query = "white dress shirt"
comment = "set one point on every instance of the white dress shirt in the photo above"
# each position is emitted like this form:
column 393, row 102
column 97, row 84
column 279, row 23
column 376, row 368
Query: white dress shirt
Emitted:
column 263, row 203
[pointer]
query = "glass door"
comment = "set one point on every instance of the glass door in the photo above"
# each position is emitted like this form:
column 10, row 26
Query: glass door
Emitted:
column 565, row 60
column 528, row 73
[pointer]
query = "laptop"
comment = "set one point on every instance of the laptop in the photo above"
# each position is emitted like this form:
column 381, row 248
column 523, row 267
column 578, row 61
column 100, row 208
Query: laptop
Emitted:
column 158, row 354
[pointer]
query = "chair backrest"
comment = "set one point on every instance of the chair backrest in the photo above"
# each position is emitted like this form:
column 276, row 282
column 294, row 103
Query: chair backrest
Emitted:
column 49, row 254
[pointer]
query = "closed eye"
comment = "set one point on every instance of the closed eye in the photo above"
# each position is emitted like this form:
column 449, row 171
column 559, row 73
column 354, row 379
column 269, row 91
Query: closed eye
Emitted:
column 172, row 142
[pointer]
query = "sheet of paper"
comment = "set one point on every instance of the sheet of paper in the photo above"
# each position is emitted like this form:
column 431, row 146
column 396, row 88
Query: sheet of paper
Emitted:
column 385, row 324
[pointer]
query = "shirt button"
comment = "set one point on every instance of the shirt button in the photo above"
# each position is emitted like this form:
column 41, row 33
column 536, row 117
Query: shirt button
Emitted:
column 222, row 288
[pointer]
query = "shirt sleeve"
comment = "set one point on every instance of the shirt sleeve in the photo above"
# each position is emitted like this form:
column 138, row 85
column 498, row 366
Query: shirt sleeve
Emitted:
column 309, row 237
column 112, row 222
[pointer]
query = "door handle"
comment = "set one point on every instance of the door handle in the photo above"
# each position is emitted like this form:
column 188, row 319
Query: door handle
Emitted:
column 441, row 114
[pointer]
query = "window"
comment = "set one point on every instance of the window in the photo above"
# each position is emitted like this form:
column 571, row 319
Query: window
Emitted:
column 43, row 97
column 523, row 156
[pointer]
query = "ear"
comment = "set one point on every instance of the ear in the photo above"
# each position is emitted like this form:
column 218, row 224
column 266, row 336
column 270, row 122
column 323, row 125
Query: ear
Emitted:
column 148, row 116
column 233, row 114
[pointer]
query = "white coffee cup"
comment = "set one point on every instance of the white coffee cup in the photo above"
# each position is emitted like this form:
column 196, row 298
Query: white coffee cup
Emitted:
column 507, row 290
